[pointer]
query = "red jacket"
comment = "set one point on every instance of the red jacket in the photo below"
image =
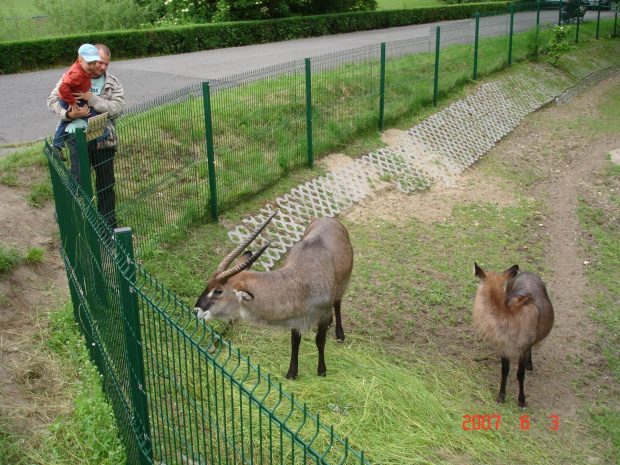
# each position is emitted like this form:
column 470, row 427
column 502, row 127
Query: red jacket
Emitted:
column 74, row 80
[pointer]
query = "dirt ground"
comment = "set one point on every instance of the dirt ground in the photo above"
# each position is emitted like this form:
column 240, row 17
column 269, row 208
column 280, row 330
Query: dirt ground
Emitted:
column 571, row 171
column 569, row 158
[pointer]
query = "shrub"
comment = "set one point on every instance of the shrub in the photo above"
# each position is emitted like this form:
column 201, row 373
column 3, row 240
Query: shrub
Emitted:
column 56, row 52
column 9, row 258
column 558, row 45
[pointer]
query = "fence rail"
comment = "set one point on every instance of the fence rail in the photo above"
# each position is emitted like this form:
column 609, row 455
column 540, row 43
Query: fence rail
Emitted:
column 180, row 393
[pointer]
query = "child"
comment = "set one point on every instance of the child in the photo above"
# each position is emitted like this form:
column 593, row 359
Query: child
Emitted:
column 76, row 79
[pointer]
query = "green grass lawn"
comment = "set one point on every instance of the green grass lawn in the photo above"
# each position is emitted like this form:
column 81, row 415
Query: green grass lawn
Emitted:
column 10, row 8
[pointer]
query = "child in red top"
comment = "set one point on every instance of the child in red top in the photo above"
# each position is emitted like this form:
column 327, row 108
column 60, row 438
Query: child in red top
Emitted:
column 76, row 79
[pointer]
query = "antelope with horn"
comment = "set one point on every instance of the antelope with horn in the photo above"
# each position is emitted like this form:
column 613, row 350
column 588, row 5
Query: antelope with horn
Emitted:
column 299, row 295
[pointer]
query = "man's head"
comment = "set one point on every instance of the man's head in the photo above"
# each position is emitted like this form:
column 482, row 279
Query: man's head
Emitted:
column 88, row 56
column 102, row 64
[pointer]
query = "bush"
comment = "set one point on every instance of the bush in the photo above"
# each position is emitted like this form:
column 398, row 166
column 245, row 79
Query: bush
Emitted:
column 56, row 52
column 9, row 258
column 559, row 45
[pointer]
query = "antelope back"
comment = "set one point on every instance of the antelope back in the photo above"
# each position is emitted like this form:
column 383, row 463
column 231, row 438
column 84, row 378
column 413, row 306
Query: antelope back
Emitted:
column 333, row 237
column 528, row 289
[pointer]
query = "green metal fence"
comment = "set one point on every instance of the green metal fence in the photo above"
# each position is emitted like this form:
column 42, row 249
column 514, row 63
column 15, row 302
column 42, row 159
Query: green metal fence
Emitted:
column 182, row 394
column 178, row 163
column 192, row 154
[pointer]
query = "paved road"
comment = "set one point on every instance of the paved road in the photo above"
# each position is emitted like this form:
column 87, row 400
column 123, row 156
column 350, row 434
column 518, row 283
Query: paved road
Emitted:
column 25, row 117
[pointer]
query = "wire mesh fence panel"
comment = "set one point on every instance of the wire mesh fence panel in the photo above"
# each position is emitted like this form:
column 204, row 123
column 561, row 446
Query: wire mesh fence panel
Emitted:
column 209, row 404
column 93, row 285
column 206, row 403
column 522, row 23
column 409, row 75
column 608, row 27
column 455, row 61
column 494, row 44
column 160, row 167
column 345, row 96
column 259, row 129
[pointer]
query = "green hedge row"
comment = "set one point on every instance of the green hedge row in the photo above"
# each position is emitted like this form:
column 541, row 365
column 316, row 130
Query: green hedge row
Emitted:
column 21, row 56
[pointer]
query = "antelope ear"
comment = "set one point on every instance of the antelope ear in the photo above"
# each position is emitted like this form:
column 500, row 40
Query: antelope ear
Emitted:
column 511, row 272
column 478, row 272
column 242, row 293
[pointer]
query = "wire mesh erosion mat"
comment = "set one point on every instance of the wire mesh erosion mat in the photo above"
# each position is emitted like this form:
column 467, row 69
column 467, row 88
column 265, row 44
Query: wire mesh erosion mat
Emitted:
column 435, row 150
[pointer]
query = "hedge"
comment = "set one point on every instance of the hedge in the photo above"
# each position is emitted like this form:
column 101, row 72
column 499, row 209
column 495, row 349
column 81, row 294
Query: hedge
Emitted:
column 31, row 55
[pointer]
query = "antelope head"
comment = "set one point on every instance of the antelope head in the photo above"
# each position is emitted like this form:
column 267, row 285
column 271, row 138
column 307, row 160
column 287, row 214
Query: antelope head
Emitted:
column 224, row 298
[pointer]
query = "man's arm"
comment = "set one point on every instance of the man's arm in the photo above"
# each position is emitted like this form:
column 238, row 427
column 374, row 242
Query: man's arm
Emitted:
column 53, row 103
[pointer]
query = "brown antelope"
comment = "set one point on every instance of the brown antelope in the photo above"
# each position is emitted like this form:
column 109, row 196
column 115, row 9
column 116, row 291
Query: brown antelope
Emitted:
column 299, row 295
column 513, row 313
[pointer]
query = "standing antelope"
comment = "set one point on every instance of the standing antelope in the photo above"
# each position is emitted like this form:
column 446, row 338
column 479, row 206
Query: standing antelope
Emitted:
column 513, row 320
column 299, row 295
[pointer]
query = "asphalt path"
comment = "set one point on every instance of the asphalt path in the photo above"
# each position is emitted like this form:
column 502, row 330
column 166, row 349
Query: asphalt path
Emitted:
column 26, row 118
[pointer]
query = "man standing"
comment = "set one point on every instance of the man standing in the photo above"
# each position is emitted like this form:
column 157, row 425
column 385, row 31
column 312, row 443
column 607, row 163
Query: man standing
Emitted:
column 105, row 96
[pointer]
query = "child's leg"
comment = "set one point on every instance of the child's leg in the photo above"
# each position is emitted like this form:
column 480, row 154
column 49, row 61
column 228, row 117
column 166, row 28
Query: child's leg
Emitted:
column 60, row 135
column 81, row 103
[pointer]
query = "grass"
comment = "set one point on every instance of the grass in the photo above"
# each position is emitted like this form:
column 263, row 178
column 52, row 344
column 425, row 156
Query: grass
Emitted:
column 19, row 8
column 17, row 163
column 84, row 430
column 9, row 258
column 34, row 256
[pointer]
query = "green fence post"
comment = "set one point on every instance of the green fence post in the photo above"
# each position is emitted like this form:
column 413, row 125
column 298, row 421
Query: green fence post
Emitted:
column 475, row 77
column 206, row 98
column 598, row 19
column 64, row 203
column 382, row 88
column 560, row 13
column 436, row 83
column 512, row 21
column 90, row 235
column 578, row 21
column 615, row 23
column 82, row 148
column 309, row 112
column 133, row 342
column 537, row 12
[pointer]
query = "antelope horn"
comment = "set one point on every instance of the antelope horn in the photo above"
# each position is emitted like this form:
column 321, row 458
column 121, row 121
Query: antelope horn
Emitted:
column 228, row 259
column 223, row 277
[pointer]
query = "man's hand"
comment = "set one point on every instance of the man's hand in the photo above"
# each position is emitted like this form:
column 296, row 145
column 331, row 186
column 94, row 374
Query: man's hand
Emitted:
column 83, row 95
column 80, row 112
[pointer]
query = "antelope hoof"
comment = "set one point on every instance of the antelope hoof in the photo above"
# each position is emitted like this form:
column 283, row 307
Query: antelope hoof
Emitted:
column 340, row 336
column 500, row 399
column 291, row 375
